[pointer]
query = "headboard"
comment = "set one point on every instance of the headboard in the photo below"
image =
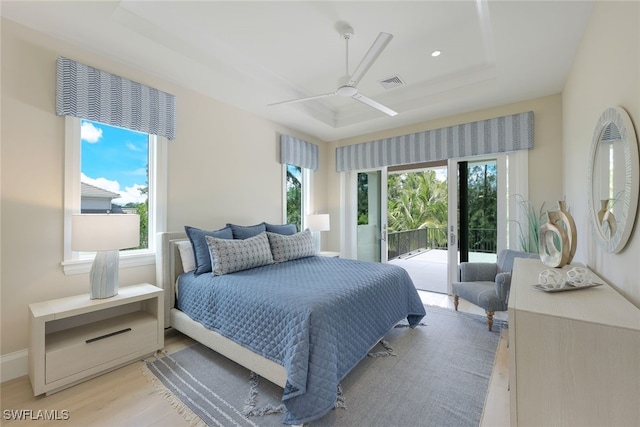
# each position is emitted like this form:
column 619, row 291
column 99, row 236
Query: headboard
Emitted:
column 168, row 268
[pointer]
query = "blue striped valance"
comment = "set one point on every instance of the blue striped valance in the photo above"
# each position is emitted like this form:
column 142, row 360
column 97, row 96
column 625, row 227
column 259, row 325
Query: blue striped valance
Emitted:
column 294, row 151
column 501, row 134
column 92, row 94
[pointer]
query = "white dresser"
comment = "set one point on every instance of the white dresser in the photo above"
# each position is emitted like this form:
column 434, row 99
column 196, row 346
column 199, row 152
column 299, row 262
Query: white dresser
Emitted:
column 574, row 357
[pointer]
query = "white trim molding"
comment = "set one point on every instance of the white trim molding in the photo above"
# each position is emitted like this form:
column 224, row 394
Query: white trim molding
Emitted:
column 81, row 266
column 14, row 365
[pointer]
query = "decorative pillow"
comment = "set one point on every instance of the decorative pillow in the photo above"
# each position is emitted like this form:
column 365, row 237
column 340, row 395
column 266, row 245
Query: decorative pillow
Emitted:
column 287, row 248
column 200, row 248
column 228, row 256
column 287, row 229
column 246, row 231
column 187, row 256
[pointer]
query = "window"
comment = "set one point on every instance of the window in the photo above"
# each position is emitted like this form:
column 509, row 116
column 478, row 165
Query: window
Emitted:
column 114, row 169
column 297, row 181
column 294, row 199
column 114, row 172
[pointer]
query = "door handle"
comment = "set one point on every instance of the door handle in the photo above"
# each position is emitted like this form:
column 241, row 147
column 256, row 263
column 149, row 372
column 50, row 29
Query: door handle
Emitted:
column 452, row 239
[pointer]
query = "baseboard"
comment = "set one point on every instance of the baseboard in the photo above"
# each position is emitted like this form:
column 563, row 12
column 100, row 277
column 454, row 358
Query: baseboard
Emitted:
column 14, row 365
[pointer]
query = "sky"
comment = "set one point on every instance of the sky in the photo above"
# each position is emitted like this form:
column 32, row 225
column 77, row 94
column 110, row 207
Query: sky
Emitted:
column 115, row 159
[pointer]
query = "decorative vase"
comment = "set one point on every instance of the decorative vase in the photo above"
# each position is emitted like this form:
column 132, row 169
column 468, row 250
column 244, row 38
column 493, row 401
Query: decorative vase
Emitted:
column 570, row 228
column 550, row 233
column 607, row 220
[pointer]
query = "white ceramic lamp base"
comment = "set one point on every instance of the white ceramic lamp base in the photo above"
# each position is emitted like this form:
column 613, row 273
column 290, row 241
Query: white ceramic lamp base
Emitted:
column 316, row 241
column 104, row 275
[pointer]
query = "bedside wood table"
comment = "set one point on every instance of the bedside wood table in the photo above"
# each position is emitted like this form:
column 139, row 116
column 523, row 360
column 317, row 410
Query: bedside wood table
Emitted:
column 76, row 338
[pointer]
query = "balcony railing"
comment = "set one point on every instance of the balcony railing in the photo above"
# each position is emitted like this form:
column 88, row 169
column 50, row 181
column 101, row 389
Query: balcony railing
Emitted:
column 404, row 242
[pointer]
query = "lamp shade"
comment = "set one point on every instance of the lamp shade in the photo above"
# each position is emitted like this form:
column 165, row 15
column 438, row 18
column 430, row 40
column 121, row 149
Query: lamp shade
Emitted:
column 104, row 232
column 318, row 222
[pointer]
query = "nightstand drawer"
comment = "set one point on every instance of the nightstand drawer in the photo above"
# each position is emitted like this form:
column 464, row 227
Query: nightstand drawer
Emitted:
column 74, row 350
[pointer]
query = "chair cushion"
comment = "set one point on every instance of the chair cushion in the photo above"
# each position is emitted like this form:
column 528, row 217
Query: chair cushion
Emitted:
column 477, row 271
column 506, row 257
column 483, row 294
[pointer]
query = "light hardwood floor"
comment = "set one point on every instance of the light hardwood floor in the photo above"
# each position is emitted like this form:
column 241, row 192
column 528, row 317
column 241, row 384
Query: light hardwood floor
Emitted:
column 124, row 397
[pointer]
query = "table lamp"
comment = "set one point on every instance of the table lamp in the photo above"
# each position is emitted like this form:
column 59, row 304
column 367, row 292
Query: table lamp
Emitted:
column 106, row 234
column 317, row 223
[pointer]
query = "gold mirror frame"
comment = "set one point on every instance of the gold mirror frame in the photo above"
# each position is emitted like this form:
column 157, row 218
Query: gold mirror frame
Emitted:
column 612, row 215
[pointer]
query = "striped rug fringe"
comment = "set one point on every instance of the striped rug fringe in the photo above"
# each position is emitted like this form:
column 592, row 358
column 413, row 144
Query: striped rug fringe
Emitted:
column 250, row 409
column 189, row 416
column 388, row 351
column 214, row 402
column 341, row 402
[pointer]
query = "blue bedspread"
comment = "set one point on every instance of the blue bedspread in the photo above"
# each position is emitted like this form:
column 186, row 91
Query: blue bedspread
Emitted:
column 316, row 316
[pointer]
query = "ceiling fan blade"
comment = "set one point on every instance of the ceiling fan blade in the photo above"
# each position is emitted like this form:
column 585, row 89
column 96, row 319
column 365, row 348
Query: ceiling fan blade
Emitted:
column 375, row 104
column 291, row 101
column 374, row 52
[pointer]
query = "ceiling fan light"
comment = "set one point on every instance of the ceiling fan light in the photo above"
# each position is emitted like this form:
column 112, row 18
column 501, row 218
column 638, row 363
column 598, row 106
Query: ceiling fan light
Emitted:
column 346, row 91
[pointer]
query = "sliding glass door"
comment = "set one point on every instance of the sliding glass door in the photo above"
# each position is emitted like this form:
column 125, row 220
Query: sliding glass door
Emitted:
column 477, row 211
column 480, row 199
column 363, row 215
column 371, row 216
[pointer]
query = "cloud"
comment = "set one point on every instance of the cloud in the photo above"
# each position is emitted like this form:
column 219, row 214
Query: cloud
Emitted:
column 139, row 172
column 131, row 146
column 131, row 195
column 103, row 183
column 90, row 133
column 128, row 195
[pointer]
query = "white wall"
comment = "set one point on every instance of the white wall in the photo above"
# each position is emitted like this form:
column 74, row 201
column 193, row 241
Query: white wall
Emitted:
column 605, row 73
column 223, row 167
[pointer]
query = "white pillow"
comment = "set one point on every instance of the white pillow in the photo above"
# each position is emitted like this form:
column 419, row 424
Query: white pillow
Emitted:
column 187, row 256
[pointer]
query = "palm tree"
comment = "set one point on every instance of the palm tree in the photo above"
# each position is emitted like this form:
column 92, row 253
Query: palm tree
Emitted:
column 416, row 200
column 294, row 196
column 482, row 205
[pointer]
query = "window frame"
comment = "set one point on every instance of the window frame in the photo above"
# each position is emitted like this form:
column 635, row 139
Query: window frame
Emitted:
column 75, row 262
column 305, row 207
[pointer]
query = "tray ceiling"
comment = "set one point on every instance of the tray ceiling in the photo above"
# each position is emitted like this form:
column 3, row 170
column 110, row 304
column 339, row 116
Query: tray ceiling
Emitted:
column 251, row 54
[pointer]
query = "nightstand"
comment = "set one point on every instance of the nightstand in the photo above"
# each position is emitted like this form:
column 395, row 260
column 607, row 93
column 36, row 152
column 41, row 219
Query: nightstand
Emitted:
column 329, row 254
column 76, row 338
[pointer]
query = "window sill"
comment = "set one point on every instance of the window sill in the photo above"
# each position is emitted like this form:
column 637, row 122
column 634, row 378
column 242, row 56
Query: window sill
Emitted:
column 81, row 266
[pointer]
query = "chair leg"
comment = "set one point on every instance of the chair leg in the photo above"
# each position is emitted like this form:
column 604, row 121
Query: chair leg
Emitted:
column 490, row 319
column 455, row 301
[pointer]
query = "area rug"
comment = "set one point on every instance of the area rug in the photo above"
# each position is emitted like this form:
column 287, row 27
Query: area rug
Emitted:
column 434, row 375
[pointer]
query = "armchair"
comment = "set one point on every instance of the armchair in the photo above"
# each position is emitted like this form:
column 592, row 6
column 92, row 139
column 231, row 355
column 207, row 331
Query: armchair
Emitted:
column 487, row 284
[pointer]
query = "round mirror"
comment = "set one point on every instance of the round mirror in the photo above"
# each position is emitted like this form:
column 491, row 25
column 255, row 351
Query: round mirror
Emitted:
column 613, row 179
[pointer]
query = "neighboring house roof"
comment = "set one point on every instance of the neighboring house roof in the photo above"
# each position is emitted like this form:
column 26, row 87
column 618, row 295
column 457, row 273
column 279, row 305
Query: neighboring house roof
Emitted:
column 88, row 190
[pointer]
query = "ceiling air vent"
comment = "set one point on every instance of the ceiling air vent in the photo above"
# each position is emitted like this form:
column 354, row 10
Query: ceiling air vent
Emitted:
column 392, row 82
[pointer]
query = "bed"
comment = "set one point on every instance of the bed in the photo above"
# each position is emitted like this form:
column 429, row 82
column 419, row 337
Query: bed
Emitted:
column 302, row 324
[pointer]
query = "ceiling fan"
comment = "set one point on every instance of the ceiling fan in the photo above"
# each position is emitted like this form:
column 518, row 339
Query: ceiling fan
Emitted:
column 347, row 84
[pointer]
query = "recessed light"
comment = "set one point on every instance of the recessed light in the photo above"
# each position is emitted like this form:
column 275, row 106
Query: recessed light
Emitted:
column 435, row 53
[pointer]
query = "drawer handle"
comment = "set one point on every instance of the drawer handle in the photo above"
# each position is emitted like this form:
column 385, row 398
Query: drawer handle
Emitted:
column 101, row 337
